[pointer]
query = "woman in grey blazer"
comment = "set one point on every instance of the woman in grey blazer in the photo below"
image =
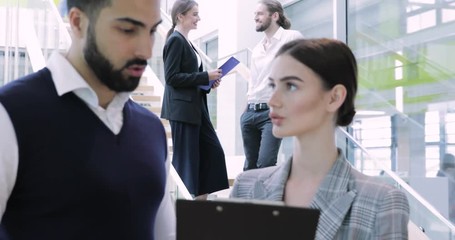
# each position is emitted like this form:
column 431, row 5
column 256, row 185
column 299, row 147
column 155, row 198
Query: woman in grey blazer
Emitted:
column 315, row 83
column 197, row 153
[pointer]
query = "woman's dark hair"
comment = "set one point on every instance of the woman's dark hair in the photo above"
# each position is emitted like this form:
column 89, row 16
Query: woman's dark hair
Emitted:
column 89, row 7
column 274, row 6
column 179, row 7
column 334, row 62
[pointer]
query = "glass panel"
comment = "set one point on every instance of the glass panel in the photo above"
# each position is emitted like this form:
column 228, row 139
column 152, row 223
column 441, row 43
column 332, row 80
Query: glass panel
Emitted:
column 30, row 31
column 166, row 6
column 422, row 213
column 407, row 77
column 313, row 18
column 210, row 48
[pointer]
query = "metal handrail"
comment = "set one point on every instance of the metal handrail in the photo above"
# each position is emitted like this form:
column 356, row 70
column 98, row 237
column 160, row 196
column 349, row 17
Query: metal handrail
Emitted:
column 401, row 183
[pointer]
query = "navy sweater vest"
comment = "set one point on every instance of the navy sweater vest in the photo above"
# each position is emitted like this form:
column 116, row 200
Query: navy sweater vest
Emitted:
column 76, row 179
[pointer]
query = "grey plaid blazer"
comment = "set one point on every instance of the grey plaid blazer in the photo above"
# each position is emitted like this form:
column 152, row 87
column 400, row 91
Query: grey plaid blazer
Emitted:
column 353, row 205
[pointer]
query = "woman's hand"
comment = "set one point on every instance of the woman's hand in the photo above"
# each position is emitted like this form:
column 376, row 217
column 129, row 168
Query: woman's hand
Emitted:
column 215, row 74
column 216, row 83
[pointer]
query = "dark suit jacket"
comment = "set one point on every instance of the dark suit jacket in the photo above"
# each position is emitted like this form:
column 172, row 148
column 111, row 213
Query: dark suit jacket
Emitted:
column 182, row 96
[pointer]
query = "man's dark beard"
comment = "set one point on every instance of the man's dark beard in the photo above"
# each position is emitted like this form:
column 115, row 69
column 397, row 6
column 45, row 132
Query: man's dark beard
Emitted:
column 264, row 26
column 104, row 69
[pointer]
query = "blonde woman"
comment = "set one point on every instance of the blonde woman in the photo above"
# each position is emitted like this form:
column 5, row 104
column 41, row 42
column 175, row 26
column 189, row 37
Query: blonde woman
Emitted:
column 197, row 153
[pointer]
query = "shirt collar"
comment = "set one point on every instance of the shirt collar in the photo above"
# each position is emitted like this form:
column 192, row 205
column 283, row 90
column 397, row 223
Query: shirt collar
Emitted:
column 277, row 36
column 279, row 33
column 67, row 79
column 64, row 75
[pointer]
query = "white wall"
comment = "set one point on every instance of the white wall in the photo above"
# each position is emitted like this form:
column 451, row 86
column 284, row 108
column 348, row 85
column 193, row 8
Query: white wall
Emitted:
column 234, row 21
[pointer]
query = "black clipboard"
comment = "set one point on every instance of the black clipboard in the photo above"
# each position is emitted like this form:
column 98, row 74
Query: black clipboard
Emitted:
column 243, row 220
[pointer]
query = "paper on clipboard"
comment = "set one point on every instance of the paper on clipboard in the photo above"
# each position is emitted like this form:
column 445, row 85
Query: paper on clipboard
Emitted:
column 225, row 69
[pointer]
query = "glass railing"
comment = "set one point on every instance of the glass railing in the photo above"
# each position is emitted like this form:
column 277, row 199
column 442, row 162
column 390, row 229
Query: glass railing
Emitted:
column 422, row 213
column 406, row 117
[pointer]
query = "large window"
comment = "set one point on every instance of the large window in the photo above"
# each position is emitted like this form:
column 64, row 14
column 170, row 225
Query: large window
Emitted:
column 404, row 71
column 312, row 18
column 210, row 48
column 14, row 63
column 407, row 75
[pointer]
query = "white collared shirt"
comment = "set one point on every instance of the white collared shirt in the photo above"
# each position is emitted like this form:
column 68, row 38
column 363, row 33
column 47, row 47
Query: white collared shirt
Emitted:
column 67, row 79
column 261, row 62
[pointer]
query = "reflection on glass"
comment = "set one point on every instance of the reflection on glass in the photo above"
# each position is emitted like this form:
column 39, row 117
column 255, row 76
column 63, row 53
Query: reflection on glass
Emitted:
column 405, row 71
column 31, row 30
column 312, row 18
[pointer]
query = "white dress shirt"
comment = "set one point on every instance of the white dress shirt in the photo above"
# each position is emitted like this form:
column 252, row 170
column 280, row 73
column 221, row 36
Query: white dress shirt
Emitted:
column 67, row 79
column 261, row 62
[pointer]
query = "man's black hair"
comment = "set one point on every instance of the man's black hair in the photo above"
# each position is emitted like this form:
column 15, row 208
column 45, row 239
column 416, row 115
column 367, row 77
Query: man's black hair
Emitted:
column 90, row 7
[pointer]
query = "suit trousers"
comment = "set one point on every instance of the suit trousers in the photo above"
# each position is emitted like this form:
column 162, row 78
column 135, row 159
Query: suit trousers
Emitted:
column 260, row 146
column 198, row 156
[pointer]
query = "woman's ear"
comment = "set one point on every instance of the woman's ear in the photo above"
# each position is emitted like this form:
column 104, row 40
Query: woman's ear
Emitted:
column 179, row 17
column 337, row 97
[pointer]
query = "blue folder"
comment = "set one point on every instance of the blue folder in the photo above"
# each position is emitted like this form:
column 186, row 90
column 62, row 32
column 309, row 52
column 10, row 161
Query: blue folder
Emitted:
column 225, row 69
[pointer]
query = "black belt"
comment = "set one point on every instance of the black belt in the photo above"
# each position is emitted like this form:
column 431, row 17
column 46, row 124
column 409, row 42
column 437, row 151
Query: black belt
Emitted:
column 258, row 106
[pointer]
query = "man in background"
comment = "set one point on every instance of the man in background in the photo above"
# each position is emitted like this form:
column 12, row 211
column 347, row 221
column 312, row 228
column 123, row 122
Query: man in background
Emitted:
column 78, row 158
column 447, row 169
column 260, row 146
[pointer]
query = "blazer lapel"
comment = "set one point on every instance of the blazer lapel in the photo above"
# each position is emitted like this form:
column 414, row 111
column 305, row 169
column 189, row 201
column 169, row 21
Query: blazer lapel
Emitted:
column 196, row 52
column 271, row 185
column 189, row 48
column 335, row 197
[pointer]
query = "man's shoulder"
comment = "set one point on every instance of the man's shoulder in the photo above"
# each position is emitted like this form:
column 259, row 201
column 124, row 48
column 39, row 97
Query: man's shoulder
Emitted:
column 142, row 111
column 293, row 34
column 29, row 81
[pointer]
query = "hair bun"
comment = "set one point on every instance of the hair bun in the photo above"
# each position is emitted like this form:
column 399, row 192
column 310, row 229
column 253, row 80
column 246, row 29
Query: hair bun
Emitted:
column 346, row 118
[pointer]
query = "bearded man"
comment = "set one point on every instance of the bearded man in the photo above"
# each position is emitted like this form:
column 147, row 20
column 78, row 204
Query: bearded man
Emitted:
column 78, row 158
column 260, row 146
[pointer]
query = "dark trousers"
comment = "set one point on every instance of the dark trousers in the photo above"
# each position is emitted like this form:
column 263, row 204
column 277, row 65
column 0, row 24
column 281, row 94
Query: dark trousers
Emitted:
column 198, row 157
column 3, row 234
column 260, row 146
